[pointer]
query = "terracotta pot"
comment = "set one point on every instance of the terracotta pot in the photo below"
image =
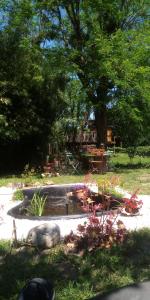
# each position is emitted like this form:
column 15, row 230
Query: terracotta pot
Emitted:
column 131, row 212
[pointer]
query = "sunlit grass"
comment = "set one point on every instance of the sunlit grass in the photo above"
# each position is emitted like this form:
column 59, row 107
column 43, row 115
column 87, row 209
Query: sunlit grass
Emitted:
column 76, row 277
column 122, row 160
column 133, row 175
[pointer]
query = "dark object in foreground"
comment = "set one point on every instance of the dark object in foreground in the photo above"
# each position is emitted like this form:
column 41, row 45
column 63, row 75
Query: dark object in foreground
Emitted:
column 139, row 291
column 37, row 289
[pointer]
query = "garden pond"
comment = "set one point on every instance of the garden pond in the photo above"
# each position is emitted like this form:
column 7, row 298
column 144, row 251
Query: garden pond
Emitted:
column 61, row 201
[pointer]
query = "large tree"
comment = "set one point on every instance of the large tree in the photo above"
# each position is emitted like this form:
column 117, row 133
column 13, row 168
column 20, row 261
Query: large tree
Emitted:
column 101, row 42
column 31, row 91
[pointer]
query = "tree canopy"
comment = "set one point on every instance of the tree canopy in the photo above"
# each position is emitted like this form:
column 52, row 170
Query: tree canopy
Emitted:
column 60, row 57
column 31, row 91
column 101, row 43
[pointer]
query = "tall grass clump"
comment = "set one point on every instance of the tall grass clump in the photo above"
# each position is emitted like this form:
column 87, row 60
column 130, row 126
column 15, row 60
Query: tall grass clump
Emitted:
column 36, row 207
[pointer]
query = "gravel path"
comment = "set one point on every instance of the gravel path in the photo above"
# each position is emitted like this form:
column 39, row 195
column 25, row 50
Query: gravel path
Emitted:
column 23, row 226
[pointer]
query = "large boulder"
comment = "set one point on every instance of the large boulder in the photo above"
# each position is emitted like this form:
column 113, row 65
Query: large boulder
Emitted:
column 44, row 236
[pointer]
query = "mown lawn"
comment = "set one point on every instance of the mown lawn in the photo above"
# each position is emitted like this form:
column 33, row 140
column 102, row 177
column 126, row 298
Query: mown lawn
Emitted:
column 130, row 179
column 76, row 277
column 133, row 174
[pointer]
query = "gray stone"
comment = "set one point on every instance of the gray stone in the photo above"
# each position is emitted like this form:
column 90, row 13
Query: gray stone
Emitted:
column 139, row 291
column 44, row 236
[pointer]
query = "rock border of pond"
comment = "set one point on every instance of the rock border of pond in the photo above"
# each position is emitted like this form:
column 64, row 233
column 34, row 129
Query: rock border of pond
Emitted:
column 29, row 192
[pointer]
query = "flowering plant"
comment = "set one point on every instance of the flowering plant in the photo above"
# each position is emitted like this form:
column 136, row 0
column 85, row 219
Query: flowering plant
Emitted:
column 132, row 205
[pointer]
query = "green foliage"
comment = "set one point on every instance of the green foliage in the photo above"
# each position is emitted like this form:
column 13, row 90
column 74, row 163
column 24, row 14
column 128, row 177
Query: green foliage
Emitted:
column 108, row 36
column 121, row 161
column 108, row 184
column 29, row 175
column 5, row 247
column 59, row 58
column 119, row 150
column 140, row 150
column 37, row 204
column 143, row 151
column 115, row 194
column 73, row 118
column 31, row 91
column 18, row 195
column 131, row 152
column 28, row 171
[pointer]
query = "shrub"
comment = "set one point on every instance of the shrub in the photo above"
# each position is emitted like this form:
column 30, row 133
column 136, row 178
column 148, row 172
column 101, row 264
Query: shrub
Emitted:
column 108, row 185
column 18, row 195
column 143, row 151
column 131, row 151
column 119, row 150
column 102, row 232
column 28, row 171
column 98, row 232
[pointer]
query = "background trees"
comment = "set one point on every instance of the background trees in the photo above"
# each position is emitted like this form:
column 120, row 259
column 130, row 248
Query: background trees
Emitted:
column 60, row 58
column 31, row 90
column 101, row 43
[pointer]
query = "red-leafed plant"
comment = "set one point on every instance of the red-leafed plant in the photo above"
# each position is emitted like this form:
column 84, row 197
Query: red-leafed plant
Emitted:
column 97, row 232
column 132, row 205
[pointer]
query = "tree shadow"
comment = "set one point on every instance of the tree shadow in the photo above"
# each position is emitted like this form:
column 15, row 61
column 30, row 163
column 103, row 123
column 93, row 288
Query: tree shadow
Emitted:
column 134, row 260
column 120, row 166
column 103, row 270
column 22, row 264
column 131, row 292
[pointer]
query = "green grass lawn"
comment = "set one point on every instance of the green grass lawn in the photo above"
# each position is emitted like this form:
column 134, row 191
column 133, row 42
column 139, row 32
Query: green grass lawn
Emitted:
column 76, row 277
column 130, row 179
column 122, row 160
column 133, row 174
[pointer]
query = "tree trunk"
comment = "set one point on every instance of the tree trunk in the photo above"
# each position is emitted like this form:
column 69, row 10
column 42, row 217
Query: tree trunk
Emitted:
column 101, row 124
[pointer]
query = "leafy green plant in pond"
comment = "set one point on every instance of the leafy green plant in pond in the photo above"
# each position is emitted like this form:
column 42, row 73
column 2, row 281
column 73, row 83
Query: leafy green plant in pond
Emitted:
column 37, row 205
column 18, row 195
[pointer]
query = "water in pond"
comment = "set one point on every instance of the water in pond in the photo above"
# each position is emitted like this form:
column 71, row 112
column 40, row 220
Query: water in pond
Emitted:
column 64, row 207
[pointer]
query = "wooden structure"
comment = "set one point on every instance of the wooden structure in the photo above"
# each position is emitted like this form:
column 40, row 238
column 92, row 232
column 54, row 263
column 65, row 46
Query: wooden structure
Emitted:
column 89, row 136
column 96, row 158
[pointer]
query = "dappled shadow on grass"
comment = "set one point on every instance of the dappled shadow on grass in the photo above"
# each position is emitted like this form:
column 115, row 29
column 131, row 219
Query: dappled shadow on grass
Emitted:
column 139, row 290
column 75, row 276
column 121, row 166
column 128, row 264
column 19, row 265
